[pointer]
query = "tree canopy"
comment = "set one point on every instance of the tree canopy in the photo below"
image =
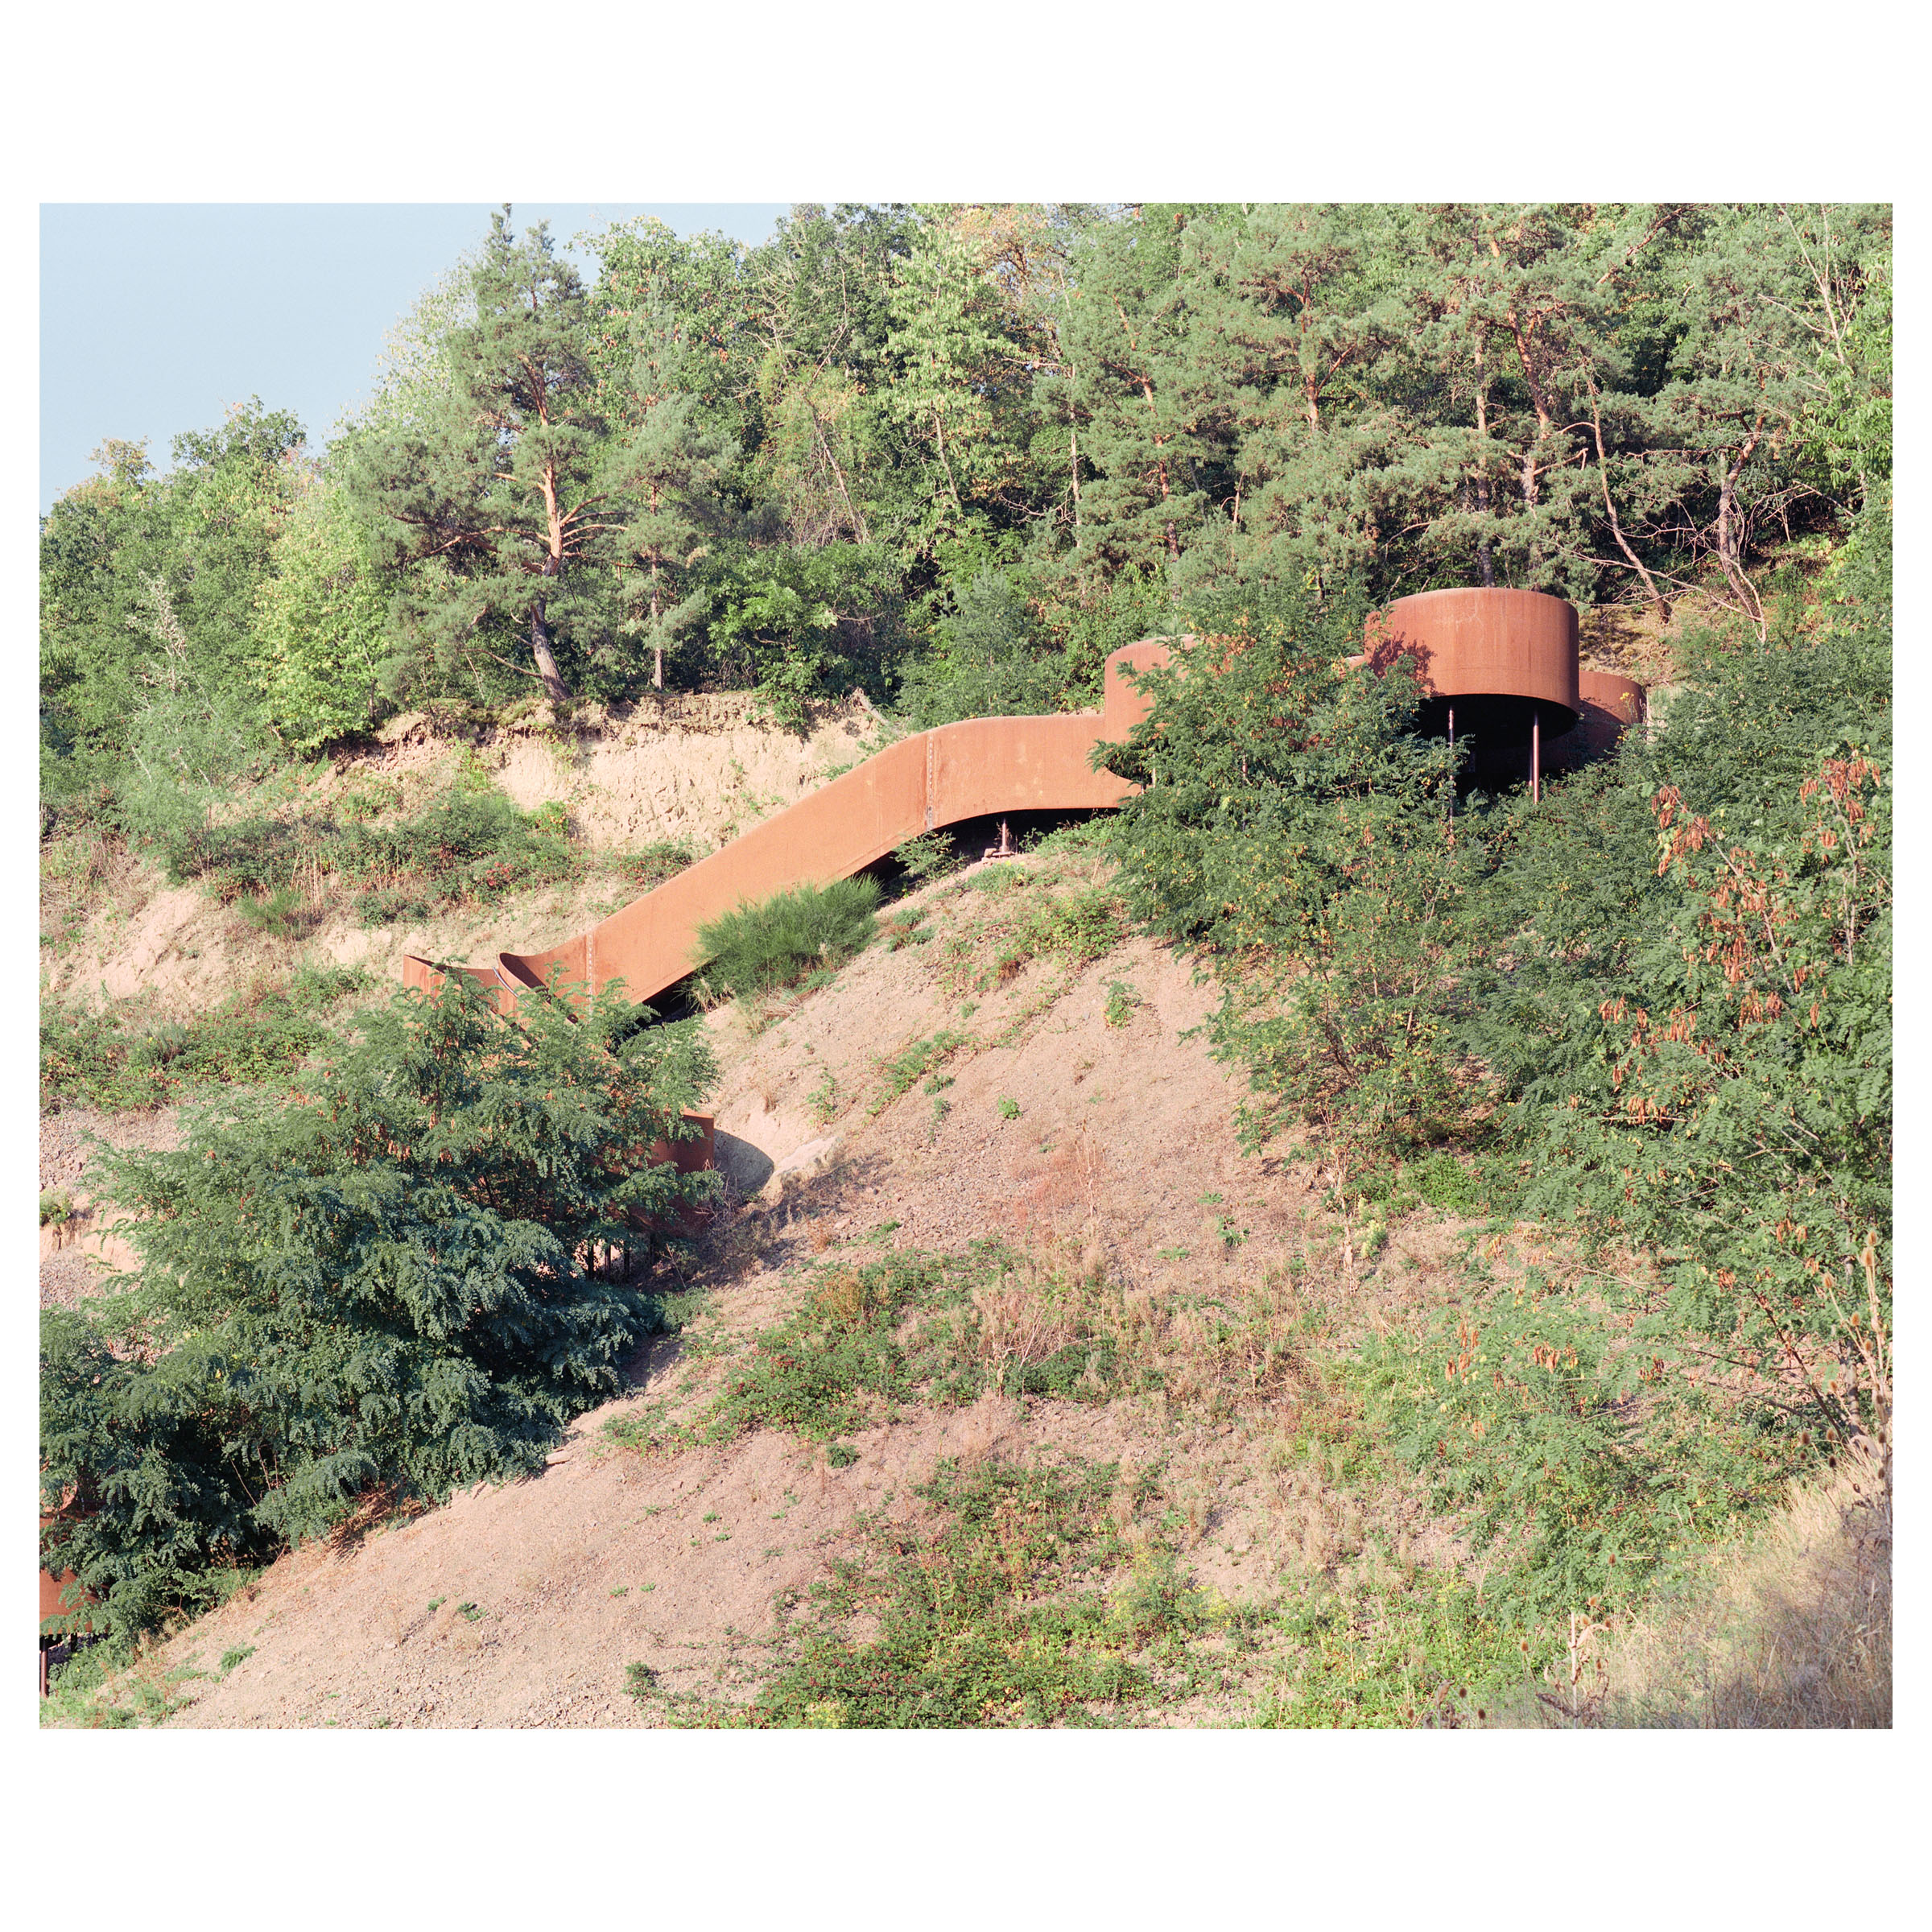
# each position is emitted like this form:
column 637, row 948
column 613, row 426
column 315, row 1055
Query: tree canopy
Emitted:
column 788, row 465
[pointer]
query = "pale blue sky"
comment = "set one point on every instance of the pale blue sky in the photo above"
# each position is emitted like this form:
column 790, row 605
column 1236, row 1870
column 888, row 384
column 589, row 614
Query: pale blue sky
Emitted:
column 154, row 317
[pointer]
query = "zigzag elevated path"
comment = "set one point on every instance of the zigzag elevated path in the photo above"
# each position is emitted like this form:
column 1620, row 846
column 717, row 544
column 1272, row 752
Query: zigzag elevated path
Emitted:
column 975, row 769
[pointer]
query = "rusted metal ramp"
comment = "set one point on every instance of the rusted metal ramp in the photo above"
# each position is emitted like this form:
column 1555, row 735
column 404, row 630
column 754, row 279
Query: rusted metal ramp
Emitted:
column 982, row 768
column 1507, row 660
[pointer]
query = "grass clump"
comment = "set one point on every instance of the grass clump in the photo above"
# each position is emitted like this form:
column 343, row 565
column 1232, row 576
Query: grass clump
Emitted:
column 1002, row 1619
column 913, row 1062
column 1027, row 918
column 939, row 1330
column 779, row 941
column 119, row 1059
column 647, row 870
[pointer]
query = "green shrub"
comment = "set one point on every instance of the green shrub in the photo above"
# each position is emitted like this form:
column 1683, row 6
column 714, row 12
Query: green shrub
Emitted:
column 930, row 855
column 759, row 948
column 402, row 1281
column 469, row 842
column 839, row 1360
column 1444, row 1181
column 985, row 661
column 1549, row 1421
column 389, row 905
column 863, row 1340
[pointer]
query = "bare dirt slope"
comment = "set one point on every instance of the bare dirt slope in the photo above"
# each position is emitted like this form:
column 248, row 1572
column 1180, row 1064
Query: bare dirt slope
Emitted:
column 695, row 770
column 525, row 1605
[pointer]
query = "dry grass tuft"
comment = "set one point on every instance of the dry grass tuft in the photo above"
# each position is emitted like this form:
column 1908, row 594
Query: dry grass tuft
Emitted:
column 1793, row 1631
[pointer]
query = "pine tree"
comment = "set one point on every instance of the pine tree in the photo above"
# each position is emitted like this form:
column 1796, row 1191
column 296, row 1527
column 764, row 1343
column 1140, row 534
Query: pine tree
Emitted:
column 671, row 466
column 1128, row 333
column 494, row 494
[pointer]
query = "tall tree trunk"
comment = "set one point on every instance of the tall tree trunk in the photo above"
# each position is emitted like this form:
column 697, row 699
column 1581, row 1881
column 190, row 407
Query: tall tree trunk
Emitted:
column 1073, row 461
column 946, row 462
column 1525, row 354
column 852, row 509
column 553, row 687
column 657, row 669
column 1726, row 535
column 1485, row 562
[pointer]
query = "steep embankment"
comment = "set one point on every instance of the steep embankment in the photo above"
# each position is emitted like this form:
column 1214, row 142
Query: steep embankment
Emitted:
column 1005, row 1067
column 690, row 772
column 693, row 771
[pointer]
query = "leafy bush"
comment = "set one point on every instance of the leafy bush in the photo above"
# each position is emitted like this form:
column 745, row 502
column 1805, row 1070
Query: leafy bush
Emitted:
column 1683, row 980
column 1551, row 1420
column 930, row 856
column 758, row 948
column 1292, row 827
column 804, row 624
column 1662, row 995
column 984, row 663
column 405, row 1281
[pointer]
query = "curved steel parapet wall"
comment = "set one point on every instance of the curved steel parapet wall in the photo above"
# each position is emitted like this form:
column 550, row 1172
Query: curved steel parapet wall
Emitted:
column 1487, row 644
column 1619, row 699
column 969, row 771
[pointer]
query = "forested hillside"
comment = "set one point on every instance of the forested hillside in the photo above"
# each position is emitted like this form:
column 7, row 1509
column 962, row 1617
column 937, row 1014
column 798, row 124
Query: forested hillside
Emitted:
column 1546, row 1142
column 952, row 454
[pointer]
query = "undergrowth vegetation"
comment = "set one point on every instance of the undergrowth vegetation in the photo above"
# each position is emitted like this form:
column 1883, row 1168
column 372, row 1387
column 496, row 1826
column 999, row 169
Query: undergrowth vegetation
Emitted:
column 468, row 843
column 291, row 855
column 759, row 948
column 1653, row 1010
column 867, row 1341
column 409, row 1277
column 1003, row 1613
column 120, row 1057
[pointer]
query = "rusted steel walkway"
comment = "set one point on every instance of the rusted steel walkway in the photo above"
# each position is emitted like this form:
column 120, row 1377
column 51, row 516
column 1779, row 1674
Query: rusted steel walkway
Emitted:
column 1506, row 658
column 978, row 768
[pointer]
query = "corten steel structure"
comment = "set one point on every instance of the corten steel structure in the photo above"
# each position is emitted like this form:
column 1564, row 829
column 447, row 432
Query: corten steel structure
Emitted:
column 980, row 769
column 1502, row 665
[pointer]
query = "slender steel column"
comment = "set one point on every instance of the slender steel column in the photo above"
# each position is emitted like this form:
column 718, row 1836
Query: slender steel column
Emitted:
column 1452, row 775
column 1536, row 754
